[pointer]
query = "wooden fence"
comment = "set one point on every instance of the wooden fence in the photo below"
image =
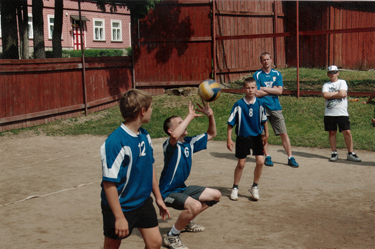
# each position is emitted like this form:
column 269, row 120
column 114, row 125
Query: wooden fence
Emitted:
column 42, row 90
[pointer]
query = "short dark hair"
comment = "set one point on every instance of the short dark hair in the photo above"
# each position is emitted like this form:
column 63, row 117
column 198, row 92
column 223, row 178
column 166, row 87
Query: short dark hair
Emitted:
column 248, row 80
column 167, row 124
column 263, row 54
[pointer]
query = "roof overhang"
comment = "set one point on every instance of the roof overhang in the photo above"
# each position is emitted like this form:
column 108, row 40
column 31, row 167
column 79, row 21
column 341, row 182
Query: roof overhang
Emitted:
column 76, row 17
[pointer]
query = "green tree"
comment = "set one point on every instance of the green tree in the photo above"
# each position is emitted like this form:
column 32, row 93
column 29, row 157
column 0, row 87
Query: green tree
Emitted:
column 138, row 9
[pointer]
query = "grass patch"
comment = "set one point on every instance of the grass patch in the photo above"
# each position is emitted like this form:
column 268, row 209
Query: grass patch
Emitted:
column 313, row 79
column 303, row 117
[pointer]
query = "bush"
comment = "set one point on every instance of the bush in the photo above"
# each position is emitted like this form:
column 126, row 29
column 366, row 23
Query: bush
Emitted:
column 94, row 53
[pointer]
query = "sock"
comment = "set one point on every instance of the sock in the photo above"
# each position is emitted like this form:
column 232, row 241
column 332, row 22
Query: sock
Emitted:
column 255, row 184
column 334, row 152
column 290, row 157
column 235, row 186
column 174, row 231
column 349, row 153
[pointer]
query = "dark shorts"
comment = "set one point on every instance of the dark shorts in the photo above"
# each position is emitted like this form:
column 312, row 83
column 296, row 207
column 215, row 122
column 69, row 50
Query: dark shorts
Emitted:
column 142, row 217
column 331, row 123
column 244, row 144
column 177, row 200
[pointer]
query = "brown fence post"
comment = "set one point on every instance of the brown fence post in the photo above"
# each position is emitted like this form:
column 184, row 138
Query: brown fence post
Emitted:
column 297, row 39
column 214, row 36
column 83, row 58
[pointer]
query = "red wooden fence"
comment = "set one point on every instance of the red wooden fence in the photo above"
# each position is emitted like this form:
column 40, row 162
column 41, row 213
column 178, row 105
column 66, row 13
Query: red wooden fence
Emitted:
column 42, row 90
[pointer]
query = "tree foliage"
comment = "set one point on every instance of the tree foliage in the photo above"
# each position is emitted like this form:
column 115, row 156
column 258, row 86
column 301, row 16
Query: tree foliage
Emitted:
column 138, row 9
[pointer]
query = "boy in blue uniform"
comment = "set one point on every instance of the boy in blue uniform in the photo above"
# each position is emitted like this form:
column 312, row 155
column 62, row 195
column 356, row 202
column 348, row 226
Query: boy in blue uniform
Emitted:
column 270, row 86
column 129, row 176
column 178, row 153
column 249, row 117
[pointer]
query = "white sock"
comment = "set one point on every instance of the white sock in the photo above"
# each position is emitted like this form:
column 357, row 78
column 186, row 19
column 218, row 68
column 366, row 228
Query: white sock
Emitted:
column 174, row 231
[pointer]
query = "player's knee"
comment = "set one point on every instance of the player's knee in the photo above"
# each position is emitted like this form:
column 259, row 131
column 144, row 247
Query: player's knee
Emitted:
column 241, row 165
column 194, row 207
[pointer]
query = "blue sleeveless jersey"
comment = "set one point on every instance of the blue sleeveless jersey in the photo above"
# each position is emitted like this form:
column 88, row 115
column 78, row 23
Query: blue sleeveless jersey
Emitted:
column 177, row 163
column 248, row 118
column 274, row 78
column 127, row 161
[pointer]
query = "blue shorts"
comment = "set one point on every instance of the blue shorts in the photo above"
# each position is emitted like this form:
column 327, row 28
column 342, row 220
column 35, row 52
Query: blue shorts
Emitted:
column 142, row 217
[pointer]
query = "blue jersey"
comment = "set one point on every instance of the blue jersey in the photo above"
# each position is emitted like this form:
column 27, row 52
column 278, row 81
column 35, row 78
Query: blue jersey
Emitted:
column 127, row 161
column 177, row 163
column 274, row 78
column 248, row 118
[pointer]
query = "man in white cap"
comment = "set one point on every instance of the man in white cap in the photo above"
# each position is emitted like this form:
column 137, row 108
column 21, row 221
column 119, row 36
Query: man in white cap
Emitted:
column 336, row 113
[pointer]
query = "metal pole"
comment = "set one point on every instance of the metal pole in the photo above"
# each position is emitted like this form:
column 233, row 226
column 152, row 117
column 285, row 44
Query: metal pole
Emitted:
column 297, row 36
column 275, row 31
column 83, row 57
column 214, row 36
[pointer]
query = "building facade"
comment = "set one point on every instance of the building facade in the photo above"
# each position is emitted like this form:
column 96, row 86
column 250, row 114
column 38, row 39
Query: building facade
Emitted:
column 100, row 30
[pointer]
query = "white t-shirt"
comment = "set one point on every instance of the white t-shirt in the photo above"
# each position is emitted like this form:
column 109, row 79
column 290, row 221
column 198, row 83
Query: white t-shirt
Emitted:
column 336, row 107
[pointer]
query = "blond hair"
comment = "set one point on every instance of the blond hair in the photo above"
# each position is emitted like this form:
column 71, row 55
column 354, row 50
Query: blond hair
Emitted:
column 132, row 103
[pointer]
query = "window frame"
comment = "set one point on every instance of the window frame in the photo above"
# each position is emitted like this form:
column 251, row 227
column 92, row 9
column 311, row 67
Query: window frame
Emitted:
column 30, row 26
column 94, row 27
column 50, row 34
column 118, row 28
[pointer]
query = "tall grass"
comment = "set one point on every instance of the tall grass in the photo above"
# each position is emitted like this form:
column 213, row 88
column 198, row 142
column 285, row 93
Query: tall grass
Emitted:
column 303, row 117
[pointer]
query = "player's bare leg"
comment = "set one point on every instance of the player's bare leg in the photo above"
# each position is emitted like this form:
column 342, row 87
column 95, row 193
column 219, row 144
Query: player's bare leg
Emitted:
column 151, row 237
column 258, row 168
column 111, row 243
column 238, row 171
column 332, row 139
column 192, row 209
column 286, row 144
column 348, row 140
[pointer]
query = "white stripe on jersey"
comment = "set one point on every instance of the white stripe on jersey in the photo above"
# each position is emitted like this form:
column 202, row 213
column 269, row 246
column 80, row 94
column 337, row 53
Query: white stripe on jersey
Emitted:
column 192, row 142
column 114, row 170
column 231, row 117
column 177, row 161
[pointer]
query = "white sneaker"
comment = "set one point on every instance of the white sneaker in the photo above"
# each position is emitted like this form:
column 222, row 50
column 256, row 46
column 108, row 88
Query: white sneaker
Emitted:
column 234, row 194
column 193, row 227
column 174, row 242
column 353, row 157
column 254, row 191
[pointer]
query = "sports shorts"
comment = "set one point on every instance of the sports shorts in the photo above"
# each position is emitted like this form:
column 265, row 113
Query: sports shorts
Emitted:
column 177, row 200
column 331, row 123
column 244, row 144
column 142, row 217
column 276, row 118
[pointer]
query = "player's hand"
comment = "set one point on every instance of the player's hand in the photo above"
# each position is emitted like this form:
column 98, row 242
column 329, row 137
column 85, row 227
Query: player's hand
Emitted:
column 121, row 227
column 163, row 210
column 205, row 109
column 264, row 139
column 373, row 120
column 230, row 144
column 192, row 111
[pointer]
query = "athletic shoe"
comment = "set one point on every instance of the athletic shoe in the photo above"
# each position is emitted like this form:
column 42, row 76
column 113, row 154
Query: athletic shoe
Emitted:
column 193, row 227
column 174, row 242
column 234, row 194
column 353, row 157
column 292, row 162
column 268, row 161
column 334, row 157
column 254, row 191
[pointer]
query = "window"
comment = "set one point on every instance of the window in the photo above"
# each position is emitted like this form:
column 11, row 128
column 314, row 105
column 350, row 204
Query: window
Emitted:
column 51, row 23
column 99, row 34
column 116, row 30
column 0, row 25
column 30, row 24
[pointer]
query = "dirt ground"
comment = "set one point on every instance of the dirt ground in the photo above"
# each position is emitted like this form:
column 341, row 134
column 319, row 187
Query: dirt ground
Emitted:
column 50, row 198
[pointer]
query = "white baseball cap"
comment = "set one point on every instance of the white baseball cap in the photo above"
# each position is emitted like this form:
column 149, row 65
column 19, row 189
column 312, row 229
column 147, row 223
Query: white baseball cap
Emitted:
column 332, row 68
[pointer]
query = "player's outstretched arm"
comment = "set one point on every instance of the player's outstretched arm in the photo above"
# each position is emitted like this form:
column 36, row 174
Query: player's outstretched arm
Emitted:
column 180, row 129
column 230, row 144
column 163, row 210
column 211, row 132
column 121, row 224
